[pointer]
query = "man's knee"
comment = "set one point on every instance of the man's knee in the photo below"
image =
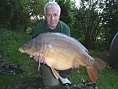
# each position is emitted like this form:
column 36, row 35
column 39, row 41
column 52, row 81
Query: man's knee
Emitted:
column 48, row 77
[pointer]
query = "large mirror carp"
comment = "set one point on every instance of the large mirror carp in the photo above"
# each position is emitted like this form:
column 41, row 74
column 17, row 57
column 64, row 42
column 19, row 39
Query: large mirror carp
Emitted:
column 61, row 51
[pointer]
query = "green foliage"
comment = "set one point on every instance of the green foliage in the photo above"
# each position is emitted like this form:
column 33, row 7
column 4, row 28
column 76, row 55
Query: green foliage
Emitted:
column 12, row 12
column 17, row 13
column 110, row 19
column 9, row 43
column 67, row 12
column 89, row 23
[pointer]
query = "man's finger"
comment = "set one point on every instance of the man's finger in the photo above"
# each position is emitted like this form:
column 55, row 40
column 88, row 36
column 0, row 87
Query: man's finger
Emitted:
column 41, row 59
column 75, row 65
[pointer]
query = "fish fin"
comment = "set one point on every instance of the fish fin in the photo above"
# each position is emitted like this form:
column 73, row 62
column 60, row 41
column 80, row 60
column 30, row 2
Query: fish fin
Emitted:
column 99, row 64
column 55, row 73
column 39, row 67
column 92, row 74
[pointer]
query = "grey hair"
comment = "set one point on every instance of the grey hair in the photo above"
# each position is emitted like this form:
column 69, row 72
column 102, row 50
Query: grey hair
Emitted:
column 52, row 4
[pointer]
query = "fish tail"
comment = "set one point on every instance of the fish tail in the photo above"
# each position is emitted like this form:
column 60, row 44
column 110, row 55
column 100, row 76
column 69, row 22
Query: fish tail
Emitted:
column 99, row 64
column 92, row 72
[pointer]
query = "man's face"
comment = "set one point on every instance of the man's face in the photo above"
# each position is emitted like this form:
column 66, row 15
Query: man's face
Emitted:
column 52, row 16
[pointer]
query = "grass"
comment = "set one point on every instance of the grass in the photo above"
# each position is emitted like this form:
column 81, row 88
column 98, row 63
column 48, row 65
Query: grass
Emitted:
column 10, row 42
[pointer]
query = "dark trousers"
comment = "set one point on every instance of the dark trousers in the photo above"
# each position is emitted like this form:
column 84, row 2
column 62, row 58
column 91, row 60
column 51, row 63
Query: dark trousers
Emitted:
column 48, row 78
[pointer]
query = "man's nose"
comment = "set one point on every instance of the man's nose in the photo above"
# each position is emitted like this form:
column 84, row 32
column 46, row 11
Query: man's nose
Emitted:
column 52, row 17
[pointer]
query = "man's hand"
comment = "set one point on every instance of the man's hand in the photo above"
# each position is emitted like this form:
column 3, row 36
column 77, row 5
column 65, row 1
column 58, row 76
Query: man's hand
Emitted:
column 75, row 65
column 39, row 58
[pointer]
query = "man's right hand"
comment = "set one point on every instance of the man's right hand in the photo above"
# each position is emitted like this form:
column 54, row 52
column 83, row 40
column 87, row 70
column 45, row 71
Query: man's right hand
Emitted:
column 38, row 58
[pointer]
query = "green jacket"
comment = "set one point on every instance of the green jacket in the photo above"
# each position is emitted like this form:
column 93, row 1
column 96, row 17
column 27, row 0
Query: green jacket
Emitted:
column 42, row 27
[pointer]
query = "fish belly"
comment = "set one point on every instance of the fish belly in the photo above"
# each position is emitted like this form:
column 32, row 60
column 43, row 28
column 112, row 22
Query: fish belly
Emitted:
column 62, row 58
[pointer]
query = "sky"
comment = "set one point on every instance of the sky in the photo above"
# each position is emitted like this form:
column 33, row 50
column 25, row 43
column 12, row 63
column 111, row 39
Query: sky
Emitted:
column 78, row 3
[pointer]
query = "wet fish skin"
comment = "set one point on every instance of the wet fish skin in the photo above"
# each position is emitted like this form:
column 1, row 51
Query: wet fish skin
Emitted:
column 61, row 51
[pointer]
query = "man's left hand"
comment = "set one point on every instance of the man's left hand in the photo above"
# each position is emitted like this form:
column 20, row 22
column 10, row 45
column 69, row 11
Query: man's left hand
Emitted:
column 75, row 65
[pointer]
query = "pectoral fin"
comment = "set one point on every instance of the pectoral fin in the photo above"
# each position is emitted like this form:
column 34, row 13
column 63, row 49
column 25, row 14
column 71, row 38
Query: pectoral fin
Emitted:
column 55, row 73
column 92, row 74
column 39, row 67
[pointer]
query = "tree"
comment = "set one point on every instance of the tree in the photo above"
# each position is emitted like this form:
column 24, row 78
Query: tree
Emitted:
column 110, row 19
column 16, row 13
column 67, row 12
column 89, row 20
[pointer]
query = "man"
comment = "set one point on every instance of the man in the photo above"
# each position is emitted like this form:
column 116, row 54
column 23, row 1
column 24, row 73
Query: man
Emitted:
column 52, row 24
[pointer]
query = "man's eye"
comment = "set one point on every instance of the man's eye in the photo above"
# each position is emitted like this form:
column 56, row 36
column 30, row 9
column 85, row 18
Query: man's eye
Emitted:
column 55, row 15
column 49, row 15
